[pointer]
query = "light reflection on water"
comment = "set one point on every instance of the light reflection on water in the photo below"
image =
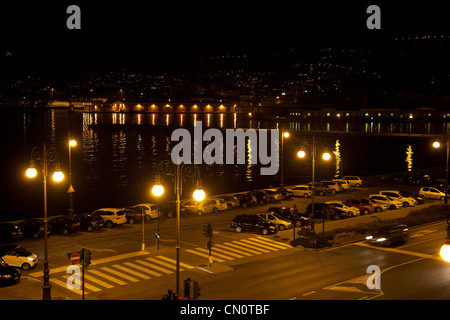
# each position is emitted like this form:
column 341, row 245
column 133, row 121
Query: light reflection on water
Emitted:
column 116, row 161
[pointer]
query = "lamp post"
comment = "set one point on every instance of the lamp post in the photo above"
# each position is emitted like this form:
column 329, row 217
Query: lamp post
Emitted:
column 72, row 143
column 43, row 158
column 176, row 172
column 284, row 135
column 325, row 156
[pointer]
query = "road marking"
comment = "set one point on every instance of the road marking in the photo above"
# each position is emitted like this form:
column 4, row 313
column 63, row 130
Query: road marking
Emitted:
column 137, row 274
column 120, row 274
column 174, row 261
column 256, row 246
column 108, row 277
column 227, row 251
column 214, row 254
column 87, row 285
column 204, row 255
column 422, row 233
column 98, row 281
column 162, row 263
column 246, row 247
column 64, row 285
column 229, row 247
column 276, row 243
column 308, row 293
column 145, row 263
column 135, row 266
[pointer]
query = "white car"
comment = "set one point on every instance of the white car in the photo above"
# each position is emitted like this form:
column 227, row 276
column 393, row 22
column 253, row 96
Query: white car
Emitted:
column 431, row 193
column 17, row 256
column 276, row 219
column 151, row 210
column 354, row 181
column 301, row 191
column 217, row 204
column 344, row 183
column 340, row 205
column 391, row 203
column 395, row 194
column 333, row 186
column 112, row 216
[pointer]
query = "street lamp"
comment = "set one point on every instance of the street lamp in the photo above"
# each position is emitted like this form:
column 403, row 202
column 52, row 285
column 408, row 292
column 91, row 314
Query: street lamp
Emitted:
column 175, row 172
column 326, row 156
column 43, row 158
column 284, row 135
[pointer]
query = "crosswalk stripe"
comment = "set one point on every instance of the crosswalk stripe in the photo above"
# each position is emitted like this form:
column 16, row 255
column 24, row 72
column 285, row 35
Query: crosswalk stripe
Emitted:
column 215, row 254
column 174, row 261
column 108, row 277
column 120, row 274
column 271, row 243
column 254, row 245
column 287, row 246
column 204, row 255
column 153, row 273
column 64, row 285
column 228, row 246
column 87, row 285
column 98, row 281
column 241, row 246
column 228, row 252
column 162, row 263
column 254, row 242
column 145, row 263
column 137, row 274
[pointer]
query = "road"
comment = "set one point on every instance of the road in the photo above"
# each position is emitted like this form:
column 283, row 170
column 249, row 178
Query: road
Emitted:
column 245, row 266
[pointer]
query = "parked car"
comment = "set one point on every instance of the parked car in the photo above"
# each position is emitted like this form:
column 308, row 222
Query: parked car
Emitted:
column 252, row 222
column 285, row 193
column 364, row 206
column 205, row 206
column 232, row 201
column 332, row 186
column 64, row 225
column 274, row 195
column 8, row 275
column 390, row 235
column 286, row 213
column 34, row 228
column 10, row 232
column 320, row 188
column 89, row 221
column 348, row 210
column 276, row 219
column 406, row 193
column 218, row 204
column 382, row 203
column 354, row 181
column 259, row 196
column 19, row 257
column 407, row 201
column 302, row 191
column 245, row 200
column 112, row 216
column 168, row 209
column 431, row 193
column 344, row 183
column 323, row 210
column 151, row 210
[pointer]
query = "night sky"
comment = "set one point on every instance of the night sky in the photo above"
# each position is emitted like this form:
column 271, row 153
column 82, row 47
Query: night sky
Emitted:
column 166, row 34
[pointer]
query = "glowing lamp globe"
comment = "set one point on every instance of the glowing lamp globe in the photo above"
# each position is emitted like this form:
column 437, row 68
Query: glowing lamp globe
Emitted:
column 158, row 190
column 445, row 252
column 326, row 156
column 58, row 176
column 31, row 172
column 199, row 195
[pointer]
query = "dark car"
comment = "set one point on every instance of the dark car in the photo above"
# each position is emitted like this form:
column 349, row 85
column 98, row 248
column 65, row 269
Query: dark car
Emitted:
column 259, row 196
column 323, row 210
column 389, row 235
column 64, row 225
column 297, row 219
column 406, row 193
column 34, row 228
column 285, row 193
column 133, row 215
column 232, row 201
column 10, row 232
column 8, row 275
column 89, row 221
column 254, row 223
column 168, row 209
column 245, row 200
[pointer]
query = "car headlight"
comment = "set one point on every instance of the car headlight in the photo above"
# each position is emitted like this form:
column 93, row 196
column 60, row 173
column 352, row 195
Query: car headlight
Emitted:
column 369, row 237
column 30, row 258
column 381, row 239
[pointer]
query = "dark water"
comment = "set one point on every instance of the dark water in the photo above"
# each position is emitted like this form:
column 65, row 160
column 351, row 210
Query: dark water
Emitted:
column 116, row 159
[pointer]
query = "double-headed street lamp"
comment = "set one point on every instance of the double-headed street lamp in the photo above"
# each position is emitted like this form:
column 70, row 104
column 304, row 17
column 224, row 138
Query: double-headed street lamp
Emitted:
column 326, row 156
column 43, row 158
column 177, row 172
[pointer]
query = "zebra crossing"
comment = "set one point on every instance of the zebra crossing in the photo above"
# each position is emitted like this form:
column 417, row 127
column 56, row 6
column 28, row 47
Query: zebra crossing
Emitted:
column 240, row 249
column 98, row 278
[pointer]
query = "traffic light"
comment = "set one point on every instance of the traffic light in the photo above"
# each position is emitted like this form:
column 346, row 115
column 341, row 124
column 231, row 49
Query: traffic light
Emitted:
column 196, row 290
column 207, row 230
column 187, row 288
column 86, row 257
